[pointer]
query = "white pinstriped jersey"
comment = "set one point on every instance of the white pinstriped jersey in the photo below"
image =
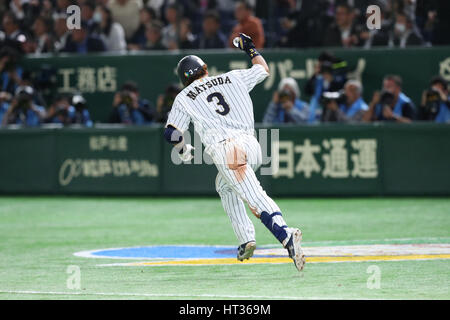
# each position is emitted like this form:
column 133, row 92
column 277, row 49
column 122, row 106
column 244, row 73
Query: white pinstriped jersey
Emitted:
column 220, row 107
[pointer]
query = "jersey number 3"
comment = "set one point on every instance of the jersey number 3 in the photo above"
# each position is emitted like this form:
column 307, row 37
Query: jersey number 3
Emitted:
column 220, row 102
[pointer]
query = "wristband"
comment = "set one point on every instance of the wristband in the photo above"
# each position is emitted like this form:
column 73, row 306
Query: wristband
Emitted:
column 252, row 52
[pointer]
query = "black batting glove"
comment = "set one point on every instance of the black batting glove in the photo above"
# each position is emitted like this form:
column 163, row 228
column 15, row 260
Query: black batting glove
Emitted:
column 246, row 44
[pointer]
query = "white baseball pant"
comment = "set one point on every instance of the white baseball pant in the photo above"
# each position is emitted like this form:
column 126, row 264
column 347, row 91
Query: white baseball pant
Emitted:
column 237, row 159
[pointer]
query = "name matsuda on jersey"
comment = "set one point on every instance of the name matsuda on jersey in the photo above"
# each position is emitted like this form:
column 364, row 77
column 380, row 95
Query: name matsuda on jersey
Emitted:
column 196, row 90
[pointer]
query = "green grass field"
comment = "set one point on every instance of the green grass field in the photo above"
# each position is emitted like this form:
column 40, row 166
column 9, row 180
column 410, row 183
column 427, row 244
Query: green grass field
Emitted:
column 39, row 235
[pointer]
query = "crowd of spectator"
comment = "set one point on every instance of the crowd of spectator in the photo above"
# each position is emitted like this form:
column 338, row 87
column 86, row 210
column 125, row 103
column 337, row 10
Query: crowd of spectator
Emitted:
column 328, row 96
column 348, row 106
column 332, row 97
column 40, row 26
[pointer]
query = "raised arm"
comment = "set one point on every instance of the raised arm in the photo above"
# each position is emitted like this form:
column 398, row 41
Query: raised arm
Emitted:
column 260, row 60
column 245, row 43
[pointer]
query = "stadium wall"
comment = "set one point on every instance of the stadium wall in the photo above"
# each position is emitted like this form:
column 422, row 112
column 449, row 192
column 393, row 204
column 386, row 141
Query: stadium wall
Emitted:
column 347, row 160
column 99, row 76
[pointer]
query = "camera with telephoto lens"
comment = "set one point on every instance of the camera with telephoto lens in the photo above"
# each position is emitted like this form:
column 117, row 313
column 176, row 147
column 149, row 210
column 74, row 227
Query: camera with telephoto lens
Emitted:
column 61, row 110
column 386, row 98
column 79, row 102
column 125, row 98
column 329, row 96
column 432, row 102
column 326, row 67
column 24, row 96
column 285, row 95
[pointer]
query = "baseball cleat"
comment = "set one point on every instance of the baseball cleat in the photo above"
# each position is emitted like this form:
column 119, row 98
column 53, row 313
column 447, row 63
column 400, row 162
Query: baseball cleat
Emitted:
column 294, row 249
column 245, row 251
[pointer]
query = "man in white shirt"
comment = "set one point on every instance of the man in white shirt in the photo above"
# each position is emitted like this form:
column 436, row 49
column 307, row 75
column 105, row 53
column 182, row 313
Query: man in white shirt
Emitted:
column 126, row 12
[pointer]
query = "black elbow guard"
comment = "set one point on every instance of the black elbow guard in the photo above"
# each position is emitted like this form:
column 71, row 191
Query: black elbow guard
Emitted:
column 172, row 135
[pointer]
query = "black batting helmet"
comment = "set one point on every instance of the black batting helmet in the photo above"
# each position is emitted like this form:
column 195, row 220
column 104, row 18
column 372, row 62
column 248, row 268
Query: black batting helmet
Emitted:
column 189, row 67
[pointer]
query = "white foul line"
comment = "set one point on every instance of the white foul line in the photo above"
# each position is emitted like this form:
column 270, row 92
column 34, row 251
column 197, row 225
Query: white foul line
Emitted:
column 168, row 295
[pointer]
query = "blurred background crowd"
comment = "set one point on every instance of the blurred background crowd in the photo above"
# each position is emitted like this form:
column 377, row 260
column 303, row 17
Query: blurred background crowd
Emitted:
column 39, row 27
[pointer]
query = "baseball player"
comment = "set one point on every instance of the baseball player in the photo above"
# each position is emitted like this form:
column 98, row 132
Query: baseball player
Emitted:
column 221, row 110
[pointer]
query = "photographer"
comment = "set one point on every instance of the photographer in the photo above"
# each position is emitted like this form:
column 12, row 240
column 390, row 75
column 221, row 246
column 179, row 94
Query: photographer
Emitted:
column 344, row 107
column 286, row 106
column 10, row 72
column 60, row 111
column 128, row 108
column 330, row 75
column 67, row 112
column 81, row 113
column 5, row 100
column 435, row 104
column 391, row 104
column 23, row 110
column 165, row 101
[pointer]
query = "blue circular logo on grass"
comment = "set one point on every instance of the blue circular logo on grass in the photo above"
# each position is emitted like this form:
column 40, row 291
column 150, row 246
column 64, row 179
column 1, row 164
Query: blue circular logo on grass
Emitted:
column 163, row 252
column 188, row 255
column 164, row 255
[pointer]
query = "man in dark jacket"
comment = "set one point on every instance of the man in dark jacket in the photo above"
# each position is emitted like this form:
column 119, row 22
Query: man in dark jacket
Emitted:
column 12, row 36
column 80, row 41
column 211, row 37
column 344, row 32
column 153, row 37
column 405, row 32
